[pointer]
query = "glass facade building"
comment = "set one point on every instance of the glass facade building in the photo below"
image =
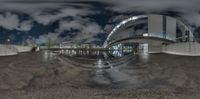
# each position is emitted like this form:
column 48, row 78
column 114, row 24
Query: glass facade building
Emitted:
column 162, row 27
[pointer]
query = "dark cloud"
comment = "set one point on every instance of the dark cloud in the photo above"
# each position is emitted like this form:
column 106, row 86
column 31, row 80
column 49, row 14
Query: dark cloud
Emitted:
column 89, row 17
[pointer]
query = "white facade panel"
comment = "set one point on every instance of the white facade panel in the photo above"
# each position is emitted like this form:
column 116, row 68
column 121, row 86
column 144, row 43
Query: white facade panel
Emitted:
column 171, row 28
column 155, row 25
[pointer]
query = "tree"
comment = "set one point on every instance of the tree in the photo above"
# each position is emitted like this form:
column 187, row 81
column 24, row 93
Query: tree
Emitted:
column 49, row 43
column 11, row 37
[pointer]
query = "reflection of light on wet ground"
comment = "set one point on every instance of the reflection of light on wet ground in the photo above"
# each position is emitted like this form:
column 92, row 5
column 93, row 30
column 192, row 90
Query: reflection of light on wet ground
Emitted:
column 83, row 53
column 89, row 77
column 99, row 76
column 144, row 56
column 99, row 66
column 110, row 75
column 117, row 53
column 48, row 55
column 113, row 71
column 99, row 62
column 97, row 53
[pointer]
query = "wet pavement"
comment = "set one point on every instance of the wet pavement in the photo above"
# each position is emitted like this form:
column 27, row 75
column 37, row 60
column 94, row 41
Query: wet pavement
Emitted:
column 46, row 75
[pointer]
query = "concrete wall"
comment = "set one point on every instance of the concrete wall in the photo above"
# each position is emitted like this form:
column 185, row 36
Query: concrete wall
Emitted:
column 155, row 25
column 7, row 50
column 23, row 48
column 170, row 28
column 184, row 48
column 155, row 49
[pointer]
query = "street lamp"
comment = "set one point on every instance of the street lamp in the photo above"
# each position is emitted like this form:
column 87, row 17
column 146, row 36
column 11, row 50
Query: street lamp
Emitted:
column 8, row 41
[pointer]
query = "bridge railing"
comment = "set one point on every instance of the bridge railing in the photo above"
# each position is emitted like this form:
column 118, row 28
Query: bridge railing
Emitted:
column 117, row 38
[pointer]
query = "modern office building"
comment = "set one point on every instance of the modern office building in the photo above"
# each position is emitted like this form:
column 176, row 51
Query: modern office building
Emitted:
column 155, row 34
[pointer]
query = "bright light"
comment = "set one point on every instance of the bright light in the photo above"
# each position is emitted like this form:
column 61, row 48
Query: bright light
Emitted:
column 99, row 62
column 145, row 34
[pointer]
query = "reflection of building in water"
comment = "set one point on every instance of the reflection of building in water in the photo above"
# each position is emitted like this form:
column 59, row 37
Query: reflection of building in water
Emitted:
column 71, row 44
column 95, row 53
column 75, row 52
column 48, row 55
column 116, row 53
column 126, row 47
column 122, row 49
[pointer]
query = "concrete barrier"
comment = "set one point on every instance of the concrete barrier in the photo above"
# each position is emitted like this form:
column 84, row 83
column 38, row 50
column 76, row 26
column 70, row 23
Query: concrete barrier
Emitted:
column 7, row 50
column 155, row 49
column 183, row 48
column 22, row 48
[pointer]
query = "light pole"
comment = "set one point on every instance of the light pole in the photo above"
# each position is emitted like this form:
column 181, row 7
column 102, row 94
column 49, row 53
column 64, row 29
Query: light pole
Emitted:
column 8, row 41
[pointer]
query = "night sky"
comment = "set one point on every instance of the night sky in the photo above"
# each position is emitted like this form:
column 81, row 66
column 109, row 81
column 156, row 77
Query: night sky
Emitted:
column 83, row 21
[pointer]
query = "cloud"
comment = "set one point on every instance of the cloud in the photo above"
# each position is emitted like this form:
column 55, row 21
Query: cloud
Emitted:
column 192, row 18
column 152, row 5
column 87, row 29
column 25, row 26
column 67, row 8
column 52, row 37
column 28, row 8
column 47, row 18
column 11, row 22
column 46, row 12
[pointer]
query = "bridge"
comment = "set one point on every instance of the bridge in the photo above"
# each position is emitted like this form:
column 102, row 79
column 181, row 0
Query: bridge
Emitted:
column 158, row 26
column 142, row 39
column 161, row 35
